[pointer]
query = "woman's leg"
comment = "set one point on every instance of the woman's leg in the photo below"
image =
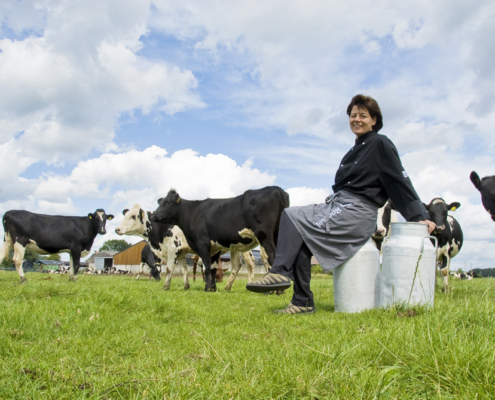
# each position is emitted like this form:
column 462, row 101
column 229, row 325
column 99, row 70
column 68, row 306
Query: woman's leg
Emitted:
column 303, row 296
column 293, row 261
column 289, row 244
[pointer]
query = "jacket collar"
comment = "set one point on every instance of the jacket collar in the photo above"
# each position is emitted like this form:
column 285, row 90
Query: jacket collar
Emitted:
column 366, row 136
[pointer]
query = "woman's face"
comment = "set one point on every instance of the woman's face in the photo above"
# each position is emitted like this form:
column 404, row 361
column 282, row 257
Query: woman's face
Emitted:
column 361, row 121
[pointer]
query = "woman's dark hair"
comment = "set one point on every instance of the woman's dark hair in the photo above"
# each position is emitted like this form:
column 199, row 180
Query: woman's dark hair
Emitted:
column 370, row 104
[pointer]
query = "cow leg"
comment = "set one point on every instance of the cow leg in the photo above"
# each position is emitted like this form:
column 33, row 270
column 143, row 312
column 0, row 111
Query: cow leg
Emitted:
column 183, row 266
column 195, row 265
column 236, row 266
column 249, row 260
column 74, row 265
column 204, row 253
column 445, row 273
column 19, row 250
column 140, row 271
column 219, row 272
column 264, row 258
column 171, row 263
column 168, row 278
column 216, row 268
column 7, row 245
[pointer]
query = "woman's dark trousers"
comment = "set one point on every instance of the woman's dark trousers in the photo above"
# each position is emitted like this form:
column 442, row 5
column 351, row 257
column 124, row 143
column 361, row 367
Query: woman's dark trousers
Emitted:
column 293, row 260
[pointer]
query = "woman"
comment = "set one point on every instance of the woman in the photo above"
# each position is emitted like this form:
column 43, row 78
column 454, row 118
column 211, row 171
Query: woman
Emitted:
column 368, row 175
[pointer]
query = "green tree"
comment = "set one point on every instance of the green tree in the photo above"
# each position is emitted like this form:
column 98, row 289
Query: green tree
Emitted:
column 115, row 245
column 54, row 257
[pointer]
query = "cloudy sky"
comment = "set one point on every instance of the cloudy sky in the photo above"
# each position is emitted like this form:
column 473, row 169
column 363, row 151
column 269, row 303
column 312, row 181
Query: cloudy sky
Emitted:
column 104, row 104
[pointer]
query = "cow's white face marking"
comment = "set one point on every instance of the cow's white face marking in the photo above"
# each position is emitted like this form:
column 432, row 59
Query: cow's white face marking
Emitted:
column 438, row 201
column 382, row 230
column 132, row 225
column 100, row 215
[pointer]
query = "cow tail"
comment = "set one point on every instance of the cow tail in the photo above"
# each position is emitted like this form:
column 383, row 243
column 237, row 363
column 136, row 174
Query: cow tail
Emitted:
column 4, row 224
column 285, row 204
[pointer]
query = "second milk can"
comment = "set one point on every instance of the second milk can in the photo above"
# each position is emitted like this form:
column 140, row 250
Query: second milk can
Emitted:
column 356, row 285
column 409, row 266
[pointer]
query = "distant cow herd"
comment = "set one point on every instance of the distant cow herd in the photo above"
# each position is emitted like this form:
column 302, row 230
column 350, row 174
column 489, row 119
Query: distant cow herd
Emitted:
column 208, row 229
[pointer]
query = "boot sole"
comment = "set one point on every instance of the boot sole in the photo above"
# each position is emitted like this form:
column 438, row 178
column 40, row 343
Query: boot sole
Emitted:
column 281, row 312
column 267, row 288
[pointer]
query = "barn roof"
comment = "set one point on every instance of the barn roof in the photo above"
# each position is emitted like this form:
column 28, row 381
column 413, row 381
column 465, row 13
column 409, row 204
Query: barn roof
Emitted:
column 101, row 254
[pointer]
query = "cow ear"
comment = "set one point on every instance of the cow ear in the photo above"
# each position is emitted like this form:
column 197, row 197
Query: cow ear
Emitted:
column 109, row 217
column 90, row 216
column 141, row 214
column 124, row 212
column 453, row 206
column 476, row 180
column 177, row 198
column 159, row 201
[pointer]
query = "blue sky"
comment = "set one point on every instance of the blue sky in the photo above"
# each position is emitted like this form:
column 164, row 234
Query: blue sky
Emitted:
column 108, row 104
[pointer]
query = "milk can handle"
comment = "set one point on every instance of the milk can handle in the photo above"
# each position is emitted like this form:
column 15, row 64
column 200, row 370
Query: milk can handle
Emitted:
column 429, row 237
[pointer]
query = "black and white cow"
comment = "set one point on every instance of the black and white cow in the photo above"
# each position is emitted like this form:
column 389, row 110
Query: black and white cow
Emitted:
column 51, row 234
column 386, row 215
column 152, row 261
column 486, row 186
column 166, row 241
column 237, row 225
column 448, row 232
column 462, row 276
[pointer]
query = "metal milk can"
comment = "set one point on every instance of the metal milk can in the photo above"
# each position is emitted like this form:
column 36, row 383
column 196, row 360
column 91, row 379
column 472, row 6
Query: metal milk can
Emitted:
column 409, row 266
column 356, row 283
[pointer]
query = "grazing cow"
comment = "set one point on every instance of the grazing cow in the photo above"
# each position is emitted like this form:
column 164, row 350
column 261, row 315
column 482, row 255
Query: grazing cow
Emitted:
column 486, row 186
column 152, row 261
column 448, row 232
column 462, row 275
column 386, row 215
column 51, row 234
column 166, row 241
column 237, row 225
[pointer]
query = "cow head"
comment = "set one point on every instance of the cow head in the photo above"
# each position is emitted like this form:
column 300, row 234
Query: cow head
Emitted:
column 438, row 210
column 168, row 210
column 155, row 271
column 135, row 222
column 486, row 186
column 383, row 221
column 99, row 219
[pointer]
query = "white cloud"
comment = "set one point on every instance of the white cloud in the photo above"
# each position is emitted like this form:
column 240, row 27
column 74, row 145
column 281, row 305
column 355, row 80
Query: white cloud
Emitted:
column 303, row 196
column 144, row 176
column 64, row 88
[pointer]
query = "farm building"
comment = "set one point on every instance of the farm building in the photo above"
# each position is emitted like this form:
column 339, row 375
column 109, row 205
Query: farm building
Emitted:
column 49, row 265
column 130, row 258
column 101, row 260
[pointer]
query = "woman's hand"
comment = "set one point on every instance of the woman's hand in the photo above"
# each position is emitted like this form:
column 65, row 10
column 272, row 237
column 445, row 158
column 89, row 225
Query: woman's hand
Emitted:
column 431, row 225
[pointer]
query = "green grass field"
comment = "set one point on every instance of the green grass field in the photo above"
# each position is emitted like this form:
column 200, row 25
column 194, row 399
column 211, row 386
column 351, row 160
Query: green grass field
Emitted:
column 111, row 337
